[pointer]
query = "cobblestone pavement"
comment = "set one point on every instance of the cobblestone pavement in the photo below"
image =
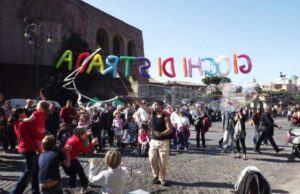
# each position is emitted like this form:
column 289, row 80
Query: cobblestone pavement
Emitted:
column 194, row 171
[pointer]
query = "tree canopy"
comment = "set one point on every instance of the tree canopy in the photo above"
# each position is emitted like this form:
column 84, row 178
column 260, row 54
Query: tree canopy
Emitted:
column 215, row 80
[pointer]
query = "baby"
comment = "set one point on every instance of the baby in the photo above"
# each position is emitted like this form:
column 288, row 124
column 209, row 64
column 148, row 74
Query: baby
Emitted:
column 118, row 128
column 144, row 138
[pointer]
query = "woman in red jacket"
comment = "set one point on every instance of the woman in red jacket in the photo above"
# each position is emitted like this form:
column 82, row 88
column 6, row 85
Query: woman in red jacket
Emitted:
column 26, row 134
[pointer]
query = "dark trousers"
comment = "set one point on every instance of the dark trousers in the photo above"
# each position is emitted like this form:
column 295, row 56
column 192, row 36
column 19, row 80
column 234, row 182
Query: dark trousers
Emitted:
column 11, row 137
column 183, row 139
column 237, row 142
column 74, row 169
column 30, row 174
column 97, row 134
column 111, row 135
column 198, row 132
column 263, row 136
column 174, row 136
column 53, row 190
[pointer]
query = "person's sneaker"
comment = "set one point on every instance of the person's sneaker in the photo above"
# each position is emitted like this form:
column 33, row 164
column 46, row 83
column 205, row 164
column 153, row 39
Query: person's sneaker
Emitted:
column 185, row 149
column 220, row 144
column 85, row 190
column 258, row 151
column 164, row 183
column 279, row 150
column 155, row 180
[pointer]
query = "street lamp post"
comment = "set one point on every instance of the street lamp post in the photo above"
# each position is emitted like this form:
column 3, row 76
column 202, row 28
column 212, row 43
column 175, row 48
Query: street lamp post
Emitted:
column 32, row 33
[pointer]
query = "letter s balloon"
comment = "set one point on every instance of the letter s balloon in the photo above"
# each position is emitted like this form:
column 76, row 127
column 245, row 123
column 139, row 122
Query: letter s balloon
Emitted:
column 144, row 66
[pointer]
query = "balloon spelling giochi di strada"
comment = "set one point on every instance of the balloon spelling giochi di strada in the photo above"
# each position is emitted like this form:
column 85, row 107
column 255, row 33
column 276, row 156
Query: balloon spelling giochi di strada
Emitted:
column 206, row 66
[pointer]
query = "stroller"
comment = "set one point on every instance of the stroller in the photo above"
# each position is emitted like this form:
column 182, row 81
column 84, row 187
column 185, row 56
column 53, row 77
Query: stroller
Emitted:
column 293, row 137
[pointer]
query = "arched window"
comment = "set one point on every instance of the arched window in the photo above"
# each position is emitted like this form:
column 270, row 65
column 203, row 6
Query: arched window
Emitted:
column 168, row 99
column 103, row 42
column 131, row 49
column 118, row 45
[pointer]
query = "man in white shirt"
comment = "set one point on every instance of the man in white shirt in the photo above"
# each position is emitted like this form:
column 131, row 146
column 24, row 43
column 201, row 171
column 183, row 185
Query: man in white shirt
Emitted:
column 142, row 115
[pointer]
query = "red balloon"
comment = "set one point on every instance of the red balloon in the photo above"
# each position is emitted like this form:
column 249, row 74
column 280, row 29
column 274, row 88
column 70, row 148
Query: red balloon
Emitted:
column 80, row 58
column 171, row 61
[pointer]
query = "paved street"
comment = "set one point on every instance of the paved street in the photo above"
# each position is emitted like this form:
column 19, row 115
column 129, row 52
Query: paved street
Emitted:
column 194, row 171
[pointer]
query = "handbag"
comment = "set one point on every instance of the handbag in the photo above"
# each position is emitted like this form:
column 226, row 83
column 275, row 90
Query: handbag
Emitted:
column 238, row 133
column 261, row 128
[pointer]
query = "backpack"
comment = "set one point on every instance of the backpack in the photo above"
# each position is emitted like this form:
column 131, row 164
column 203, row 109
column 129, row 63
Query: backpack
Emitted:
column 63, row 138
column 207, row 122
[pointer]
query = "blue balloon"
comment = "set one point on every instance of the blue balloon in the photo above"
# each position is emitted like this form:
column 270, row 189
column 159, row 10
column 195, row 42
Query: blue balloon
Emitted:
column 112, row 61
column 213, row 63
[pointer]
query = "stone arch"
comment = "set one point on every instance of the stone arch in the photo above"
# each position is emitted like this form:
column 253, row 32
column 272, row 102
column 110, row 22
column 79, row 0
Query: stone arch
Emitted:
column 118, row 45
column 168, row 99
column 131, row 49
column 103, row 41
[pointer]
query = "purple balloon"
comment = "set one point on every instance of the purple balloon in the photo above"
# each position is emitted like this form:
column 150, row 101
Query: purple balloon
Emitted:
column 145, row 64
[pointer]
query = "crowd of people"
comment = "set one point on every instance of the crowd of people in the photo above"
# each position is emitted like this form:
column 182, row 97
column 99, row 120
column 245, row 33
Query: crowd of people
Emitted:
column 48, row 137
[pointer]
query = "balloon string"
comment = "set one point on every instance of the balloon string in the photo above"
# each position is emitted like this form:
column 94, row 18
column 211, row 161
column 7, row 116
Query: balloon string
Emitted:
column 70, row 79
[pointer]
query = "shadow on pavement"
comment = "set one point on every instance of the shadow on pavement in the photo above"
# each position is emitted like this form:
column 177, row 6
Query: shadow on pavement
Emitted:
column 271, row 160
column 3, row 192
column 279, row 191
column 203, row 184
column 11, row 166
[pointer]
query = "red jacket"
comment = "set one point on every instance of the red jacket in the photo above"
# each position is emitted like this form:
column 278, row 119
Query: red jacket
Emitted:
column 78, row 147
column 26, row 136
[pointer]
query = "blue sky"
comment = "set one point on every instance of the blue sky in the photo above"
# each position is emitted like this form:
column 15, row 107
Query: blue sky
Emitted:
column 268, row 31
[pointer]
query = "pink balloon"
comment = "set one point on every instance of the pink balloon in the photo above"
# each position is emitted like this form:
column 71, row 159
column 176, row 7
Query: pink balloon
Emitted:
column 243, row 67
column 171, row 61
column 198, row 66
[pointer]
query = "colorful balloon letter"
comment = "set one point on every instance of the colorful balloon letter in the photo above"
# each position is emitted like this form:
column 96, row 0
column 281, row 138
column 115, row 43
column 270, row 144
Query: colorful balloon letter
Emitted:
column 235, row 65
column 80, row 58
column 128, row 60
column 212, row 63
column 112, row 61
column 96, row 62
column 171, row 61
column 243, row 67
column 228, row 62
column 159, row 67
column 67, row 57
column 143, row 68
column 198, row 66
column 185, row 71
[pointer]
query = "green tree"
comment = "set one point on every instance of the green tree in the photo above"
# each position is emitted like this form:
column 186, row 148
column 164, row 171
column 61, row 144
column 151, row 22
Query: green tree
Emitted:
column 52, row 85
column 215, row 80
column 296, row 99
column 72, row 42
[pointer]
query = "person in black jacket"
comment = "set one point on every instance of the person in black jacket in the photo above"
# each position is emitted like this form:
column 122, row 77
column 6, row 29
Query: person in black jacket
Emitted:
column 267, row 125
column 52, row 122
column 107, row 118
